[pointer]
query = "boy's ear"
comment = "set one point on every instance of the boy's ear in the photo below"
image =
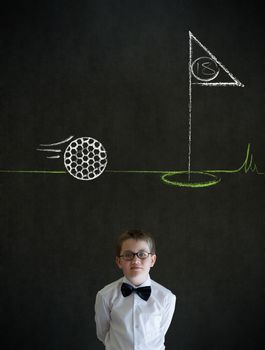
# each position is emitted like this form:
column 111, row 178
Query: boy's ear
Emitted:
column 118, row 262
column 153, row 260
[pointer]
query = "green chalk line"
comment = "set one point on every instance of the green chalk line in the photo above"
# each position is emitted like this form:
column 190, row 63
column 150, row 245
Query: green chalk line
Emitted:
column 248, row 165
column 166, row 176
column 34, row 171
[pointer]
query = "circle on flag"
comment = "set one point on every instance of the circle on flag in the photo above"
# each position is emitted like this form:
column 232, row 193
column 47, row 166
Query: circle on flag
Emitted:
column 205, row 69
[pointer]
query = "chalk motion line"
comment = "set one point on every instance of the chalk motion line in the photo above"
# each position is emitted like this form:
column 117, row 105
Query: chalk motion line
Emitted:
column 168, row 176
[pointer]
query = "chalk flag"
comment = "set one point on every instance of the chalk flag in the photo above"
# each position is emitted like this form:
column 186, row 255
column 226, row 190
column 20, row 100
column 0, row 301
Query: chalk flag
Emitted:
column 204, row 70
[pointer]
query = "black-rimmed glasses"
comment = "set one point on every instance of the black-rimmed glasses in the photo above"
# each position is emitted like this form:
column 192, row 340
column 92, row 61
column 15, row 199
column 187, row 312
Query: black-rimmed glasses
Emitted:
column 128, row 255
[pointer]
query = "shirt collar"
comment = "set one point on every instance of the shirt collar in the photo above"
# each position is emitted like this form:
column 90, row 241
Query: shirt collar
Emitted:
column 146, row 283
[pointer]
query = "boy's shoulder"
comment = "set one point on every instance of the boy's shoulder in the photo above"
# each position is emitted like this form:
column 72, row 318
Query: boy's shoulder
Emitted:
column 160, row 290
column 111, row 287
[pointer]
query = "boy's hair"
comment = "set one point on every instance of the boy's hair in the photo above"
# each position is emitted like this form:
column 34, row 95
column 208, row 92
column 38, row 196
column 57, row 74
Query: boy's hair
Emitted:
column 137, row 235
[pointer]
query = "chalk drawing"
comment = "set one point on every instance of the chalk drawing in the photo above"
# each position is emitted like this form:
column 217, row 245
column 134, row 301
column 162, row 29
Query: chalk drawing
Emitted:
column 205, row 65
column 52, row 150
column 168, row 176
column 84, row 158
column 203, row 71
column 57, row 143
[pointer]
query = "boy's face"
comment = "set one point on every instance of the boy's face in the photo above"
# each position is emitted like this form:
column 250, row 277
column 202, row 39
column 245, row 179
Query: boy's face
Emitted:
column 136, row 270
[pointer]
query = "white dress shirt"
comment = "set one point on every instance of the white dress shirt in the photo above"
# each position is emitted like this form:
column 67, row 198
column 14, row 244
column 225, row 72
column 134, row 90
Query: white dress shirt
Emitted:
column 131, row 323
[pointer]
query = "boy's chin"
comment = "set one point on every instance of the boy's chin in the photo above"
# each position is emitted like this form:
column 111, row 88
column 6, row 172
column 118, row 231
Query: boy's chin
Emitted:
column 137, row 279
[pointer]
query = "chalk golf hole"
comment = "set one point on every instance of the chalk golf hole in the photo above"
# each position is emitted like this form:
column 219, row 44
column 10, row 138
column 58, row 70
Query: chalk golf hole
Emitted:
column 196, row 179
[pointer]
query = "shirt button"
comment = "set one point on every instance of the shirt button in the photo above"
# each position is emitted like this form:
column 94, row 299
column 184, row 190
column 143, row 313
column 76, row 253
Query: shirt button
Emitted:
column 136, row 326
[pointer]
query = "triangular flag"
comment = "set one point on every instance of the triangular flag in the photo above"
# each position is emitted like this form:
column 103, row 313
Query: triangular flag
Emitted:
column 206, row 69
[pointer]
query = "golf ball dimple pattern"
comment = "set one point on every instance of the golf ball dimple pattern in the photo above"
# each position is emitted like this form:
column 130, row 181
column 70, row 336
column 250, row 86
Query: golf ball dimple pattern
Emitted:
column 85, row 158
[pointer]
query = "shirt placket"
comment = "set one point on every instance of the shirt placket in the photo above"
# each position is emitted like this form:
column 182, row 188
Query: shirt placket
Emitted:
column 136, row 336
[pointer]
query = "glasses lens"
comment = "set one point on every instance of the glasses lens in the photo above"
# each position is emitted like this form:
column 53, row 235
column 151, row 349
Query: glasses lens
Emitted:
column 142, row 255
column 128, row 256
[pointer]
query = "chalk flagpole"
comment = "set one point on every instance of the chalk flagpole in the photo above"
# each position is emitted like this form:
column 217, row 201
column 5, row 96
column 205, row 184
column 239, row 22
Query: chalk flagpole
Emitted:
column 190, row 107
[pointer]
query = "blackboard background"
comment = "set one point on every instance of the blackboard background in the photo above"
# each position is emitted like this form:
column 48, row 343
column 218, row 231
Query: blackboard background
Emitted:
column 117, row 71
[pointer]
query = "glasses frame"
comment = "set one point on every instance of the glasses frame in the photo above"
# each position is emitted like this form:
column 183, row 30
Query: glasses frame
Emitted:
column 135, row 254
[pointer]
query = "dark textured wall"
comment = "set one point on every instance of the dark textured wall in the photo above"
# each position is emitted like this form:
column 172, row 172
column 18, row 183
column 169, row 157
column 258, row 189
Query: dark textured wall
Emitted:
column 118, row 71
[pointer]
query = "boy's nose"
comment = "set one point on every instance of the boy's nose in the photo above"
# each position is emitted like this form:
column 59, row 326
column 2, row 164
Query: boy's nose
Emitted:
column 135, row 258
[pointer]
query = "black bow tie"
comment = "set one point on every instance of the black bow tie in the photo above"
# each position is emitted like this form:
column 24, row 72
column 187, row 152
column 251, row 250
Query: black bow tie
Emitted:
column 143, row 292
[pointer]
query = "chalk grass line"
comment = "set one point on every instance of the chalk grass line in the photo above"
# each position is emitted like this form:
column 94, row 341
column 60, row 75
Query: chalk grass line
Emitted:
column 248, row 165
column 35, row 171
column 235, row 82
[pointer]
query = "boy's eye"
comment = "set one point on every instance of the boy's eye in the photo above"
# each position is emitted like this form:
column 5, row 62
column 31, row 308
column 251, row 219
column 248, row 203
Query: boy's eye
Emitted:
column 142, row 254
column 128, row 255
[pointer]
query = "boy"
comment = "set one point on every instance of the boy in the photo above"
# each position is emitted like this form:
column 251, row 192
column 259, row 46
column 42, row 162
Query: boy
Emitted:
column 134, row 313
